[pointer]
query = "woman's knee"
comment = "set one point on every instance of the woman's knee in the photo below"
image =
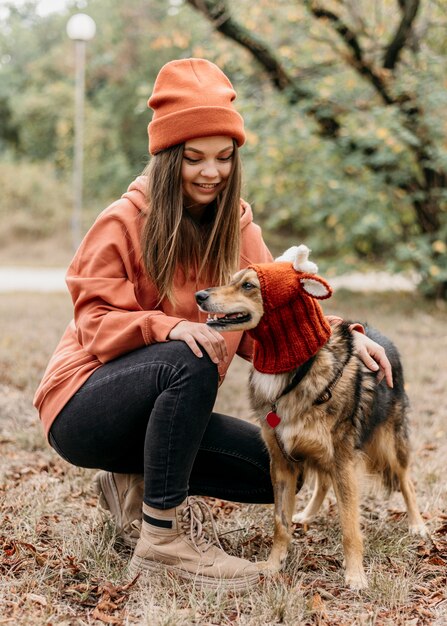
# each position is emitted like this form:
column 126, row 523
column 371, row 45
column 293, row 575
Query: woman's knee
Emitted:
column 186, row 364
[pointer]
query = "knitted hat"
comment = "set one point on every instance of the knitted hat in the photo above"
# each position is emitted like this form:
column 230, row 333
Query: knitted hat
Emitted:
column 293, row 327
column 192, row 98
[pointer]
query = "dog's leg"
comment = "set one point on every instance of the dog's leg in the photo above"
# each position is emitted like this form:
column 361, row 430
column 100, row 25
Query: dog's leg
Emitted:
column 347, row 492
column 415, row 522
column 390, row 455
column 307, row 515
column 284, row 480
column 399, row 463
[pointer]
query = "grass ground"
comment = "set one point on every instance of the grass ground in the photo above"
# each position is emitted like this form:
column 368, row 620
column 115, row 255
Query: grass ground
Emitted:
column 60, row 563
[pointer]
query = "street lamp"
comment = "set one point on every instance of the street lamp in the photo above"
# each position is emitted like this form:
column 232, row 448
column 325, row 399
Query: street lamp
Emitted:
column 80, row 28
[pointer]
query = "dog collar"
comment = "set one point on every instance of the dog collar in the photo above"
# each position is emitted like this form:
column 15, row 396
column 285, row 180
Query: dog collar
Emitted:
column 272, row 416
column 273, row 419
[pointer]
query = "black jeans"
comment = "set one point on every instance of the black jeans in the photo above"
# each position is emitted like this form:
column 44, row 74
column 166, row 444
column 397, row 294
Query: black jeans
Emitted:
column 151, row 412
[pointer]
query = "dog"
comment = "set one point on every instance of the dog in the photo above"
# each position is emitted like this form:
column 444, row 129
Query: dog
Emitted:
column 322, row 412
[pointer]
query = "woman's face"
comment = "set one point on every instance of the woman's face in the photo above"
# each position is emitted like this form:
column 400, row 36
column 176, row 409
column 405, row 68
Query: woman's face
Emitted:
column 206, row 166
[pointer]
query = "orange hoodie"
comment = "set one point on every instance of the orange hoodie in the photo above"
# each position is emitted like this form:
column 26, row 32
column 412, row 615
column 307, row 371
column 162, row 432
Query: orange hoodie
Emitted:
column 115, row 308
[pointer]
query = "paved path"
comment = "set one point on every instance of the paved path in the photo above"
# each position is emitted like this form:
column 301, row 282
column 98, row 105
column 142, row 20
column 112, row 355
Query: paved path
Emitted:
column 374, row 281
column 13, row 279
column 32, row 279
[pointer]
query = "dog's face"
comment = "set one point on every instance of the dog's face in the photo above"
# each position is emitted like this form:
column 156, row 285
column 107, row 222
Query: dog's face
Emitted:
column 236, row 306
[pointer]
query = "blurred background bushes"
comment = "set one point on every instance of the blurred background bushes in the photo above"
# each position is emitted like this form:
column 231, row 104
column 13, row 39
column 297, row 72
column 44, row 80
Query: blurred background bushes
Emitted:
column 328, row 160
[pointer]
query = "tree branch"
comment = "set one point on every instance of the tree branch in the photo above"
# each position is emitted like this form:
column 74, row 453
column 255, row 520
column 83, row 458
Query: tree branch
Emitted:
column 409, row 9
column 216, row 11
column 357, row 57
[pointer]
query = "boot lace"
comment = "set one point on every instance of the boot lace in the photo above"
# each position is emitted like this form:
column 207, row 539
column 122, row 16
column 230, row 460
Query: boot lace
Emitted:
column 194, row 516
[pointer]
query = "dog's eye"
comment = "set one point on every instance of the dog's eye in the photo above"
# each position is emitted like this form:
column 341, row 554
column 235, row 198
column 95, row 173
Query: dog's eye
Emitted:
column 247, row 286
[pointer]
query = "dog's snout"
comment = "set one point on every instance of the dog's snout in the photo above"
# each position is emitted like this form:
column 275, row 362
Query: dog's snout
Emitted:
column 201, row 296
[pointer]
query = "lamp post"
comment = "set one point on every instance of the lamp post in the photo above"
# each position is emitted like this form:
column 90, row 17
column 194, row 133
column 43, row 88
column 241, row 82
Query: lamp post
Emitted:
column 80, row 28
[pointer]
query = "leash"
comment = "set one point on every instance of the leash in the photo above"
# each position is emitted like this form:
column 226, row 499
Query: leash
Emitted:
column 286, row 455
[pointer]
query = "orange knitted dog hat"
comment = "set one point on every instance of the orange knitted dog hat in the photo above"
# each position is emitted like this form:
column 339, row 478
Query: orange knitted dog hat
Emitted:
column 293, row 327
column 192, row 98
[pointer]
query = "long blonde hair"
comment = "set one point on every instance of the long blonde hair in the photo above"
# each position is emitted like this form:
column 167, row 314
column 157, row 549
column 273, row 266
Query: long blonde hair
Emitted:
column 171, row 239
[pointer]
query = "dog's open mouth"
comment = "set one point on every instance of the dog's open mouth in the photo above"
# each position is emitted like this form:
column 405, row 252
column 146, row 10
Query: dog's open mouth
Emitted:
column 228, row 319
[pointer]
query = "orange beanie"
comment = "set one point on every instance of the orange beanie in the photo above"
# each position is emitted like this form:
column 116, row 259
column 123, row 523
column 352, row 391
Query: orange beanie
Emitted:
column 293, row 327
column 192, row 98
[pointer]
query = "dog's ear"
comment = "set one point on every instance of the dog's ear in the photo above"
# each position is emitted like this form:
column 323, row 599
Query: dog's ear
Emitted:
column 316, row 287
column 299, row 257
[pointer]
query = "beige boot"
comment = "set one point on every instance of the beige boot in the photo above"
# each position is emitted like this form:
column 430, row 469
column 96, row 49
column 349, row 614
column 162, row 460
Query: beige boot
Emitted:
column 122, row 495
column 174, row 540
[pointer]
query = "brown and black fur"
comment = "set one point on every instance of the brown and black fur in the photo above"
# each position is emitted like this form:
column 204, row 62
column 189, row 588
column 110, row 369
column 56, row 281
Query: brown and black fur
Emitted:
column 363, row 425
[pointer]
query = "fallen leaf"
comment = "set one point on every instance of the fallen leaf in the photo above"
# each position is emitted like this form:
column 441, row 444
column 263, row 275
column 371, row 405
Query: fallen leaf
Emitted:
column 436, row 560
column 317, row 603
column 107, row 619
column 36, row 599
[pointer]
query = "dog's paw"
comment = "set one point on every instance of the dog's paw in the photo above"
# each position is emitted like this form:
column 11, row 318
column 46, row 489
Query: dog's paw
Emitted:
column 420, row 530
column 302, row 518
column 267, row 567
column 262, row 566
column 356, row 581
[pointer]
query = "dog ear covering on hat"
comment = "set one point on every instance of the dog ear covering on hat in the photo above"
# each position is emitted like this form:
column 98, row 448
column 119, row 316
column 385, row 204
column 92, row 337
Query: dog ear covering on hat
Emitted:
column 316, row 287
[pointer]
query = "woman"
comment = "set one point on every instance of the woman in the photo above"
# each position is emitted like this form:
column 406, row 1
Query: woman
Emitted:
column 131, row 386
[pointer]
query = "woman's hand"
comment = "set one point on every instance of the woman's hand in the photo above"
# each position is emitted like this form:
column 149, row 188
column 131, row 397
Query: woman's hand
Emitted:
column 193, row 333
column 373, row 356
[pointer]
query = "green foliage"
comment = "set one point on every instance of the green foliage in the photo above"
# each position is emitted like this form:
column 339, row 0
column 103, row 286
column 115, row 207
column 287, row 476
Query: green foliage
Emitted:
column 309, row 191
column 352, row 200
column 36, row 202
column 429, row 256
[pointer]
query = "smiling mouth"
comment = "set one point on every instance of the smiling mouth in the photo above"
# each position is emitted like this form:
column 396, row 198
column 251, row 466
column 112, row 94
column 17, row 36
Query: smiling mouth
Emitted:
column 228, row 319
column 207, row 185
